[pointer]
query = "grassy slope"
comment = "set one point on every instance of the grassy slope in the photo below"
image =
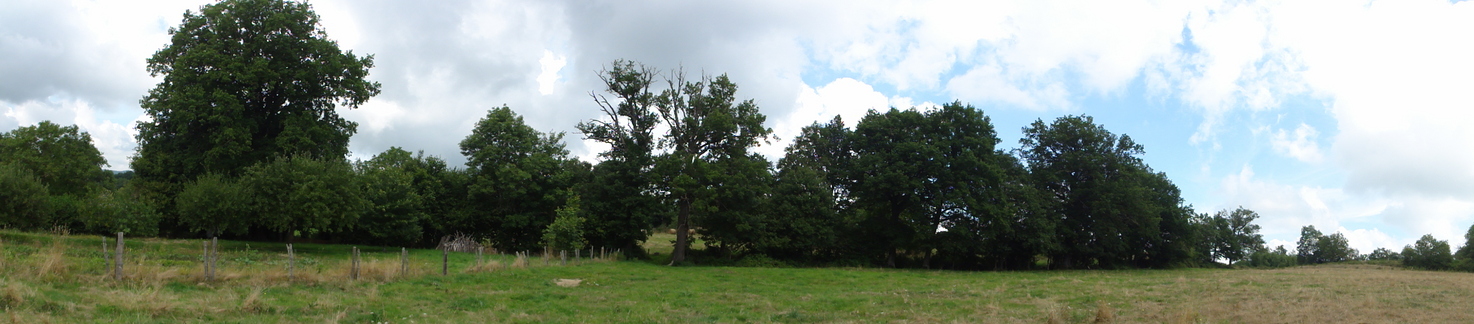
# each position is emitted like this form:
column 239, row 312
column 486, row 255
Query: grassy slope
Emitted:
column 45, row 281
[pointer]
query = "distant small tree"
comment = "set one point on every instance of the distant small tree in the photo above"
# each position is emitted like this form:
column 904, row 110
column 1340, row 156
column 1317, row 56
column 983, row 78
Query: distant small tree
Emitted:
column 1235, row 235
column 566, row 231
column 1381, row 254
column 1334, row 248
column 1307, row 248
column 1265, row 258
column 1428, row 253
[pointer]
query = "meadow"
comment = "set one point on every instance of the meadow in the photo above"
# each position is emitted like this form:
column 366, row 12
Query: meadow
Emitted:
column 62, row 278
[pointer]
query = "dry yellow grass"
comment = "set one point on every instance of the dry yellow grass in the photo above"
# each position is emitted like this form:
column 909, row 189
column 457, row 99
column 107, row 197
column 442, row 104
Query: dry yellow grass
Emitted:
column 44, row 281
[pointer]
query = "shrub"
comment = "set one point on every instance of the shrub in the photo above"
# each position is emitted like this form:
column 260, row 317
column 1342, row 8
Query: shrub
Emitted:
column 23, row 201
column 1272, row 259
column 119, row 211
column 566, row 232
column 1428, row 253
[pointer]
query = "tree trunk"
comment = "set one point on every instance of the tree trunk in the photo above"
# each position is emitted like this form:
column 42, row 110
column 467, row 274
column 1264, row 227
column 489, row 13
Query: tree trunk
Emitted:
column 683, row 228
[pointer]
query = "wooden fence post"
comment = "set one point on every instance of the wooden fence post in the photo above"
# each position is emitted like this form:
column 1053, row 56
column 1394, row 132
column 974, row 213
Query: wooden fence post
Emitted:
column 563, row 254
column 353, row 264
column 291, row 264
column 445, row 261
column 205, row 260
column 107, row 257
column 214, row 256
column 118, row 261
column 403, row 262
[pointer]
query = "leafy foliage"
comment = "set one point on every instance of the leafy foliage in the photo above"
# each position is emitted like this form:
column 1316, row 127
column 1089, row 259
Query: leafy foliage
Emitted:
column 1428, row 253
column 245, row 82
column 1381, row 254
column 706, row 125
column 120, row 210
column 23, row 200
column 215, row 205
column 566, row 233
column 305, row 195
column 519, row 177
column 1112, row 208
column 60, row 157
column 396, row 206
column 623, row 204
column 1233, row 236
column 1264, row 258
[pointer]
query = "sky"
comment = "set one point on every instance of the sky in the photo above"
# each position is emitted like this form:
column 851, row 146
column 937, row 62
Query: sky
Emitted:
column 1346, row 115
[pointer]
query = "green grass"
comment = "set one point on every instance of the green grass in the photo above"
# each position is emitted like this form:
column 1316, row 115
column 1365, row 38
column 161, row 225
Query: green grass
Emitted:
column 36, row 287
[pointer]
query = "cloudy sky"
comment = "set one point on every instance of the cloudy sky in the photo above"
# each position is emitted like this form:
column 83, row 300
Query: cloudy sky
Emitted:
column 1346, row 115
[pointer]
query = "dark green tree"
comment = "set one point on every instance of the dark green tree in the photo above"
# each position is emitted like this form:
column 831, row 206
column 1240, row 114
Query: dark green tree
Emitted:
column 23, row 201
column 705, row 125
column 1308, row 248
column 1382, row 253
column 733, row 211
column 1334, row 248
column 805, row 224
column 305, row 196
column 519, row 178
column 620, row 201
column 1428, row 253
column 121, row 210
column 215, row 205
column 1264, row 258
column 1235, row 235
column 1464, row 258
column 892, row 168
column 827, row 149
column 1113, row 210
column 243, row 83
column 397, row 206
column 566, row 232
column 60, row 157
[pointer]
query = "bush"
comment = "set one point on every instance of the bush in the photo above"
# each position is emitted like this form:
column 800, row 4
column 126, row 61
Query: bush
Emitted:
column 566, row 232
column 23, row 201
column 119, row 211
column 1384, row 254
column 215, row 205
column 1428, row 253
column 1272, row 259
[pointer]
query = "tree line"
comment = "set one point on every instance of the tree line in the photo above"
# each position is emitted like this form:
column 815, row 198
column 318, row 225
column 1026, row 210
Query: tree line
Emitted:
column 244, row 141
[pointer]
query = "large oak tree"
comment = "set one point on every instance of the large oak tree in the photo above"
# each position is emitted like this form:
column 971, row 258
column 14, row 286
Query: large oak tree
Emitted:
column 244, row 82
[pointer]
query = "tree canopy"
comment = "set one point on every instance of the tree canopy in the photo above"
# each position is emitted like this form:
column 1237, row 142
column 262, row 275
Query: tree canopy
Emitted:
column 245, row 82
column 60, row 157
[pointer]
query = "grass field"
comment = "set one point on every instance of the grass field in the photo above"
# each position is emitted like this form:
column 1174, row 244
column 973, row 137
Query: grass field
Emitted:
column 50, row 278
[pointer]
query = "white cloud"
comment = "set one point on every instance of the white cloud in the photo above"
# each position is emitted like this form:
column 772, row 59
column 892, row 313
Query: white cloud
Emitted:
column 990, row 84
column 1367, row 240
column 847, row 98
column 1284, row 209
column 114, row 140
column 1300, row 145
column 551, row 64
